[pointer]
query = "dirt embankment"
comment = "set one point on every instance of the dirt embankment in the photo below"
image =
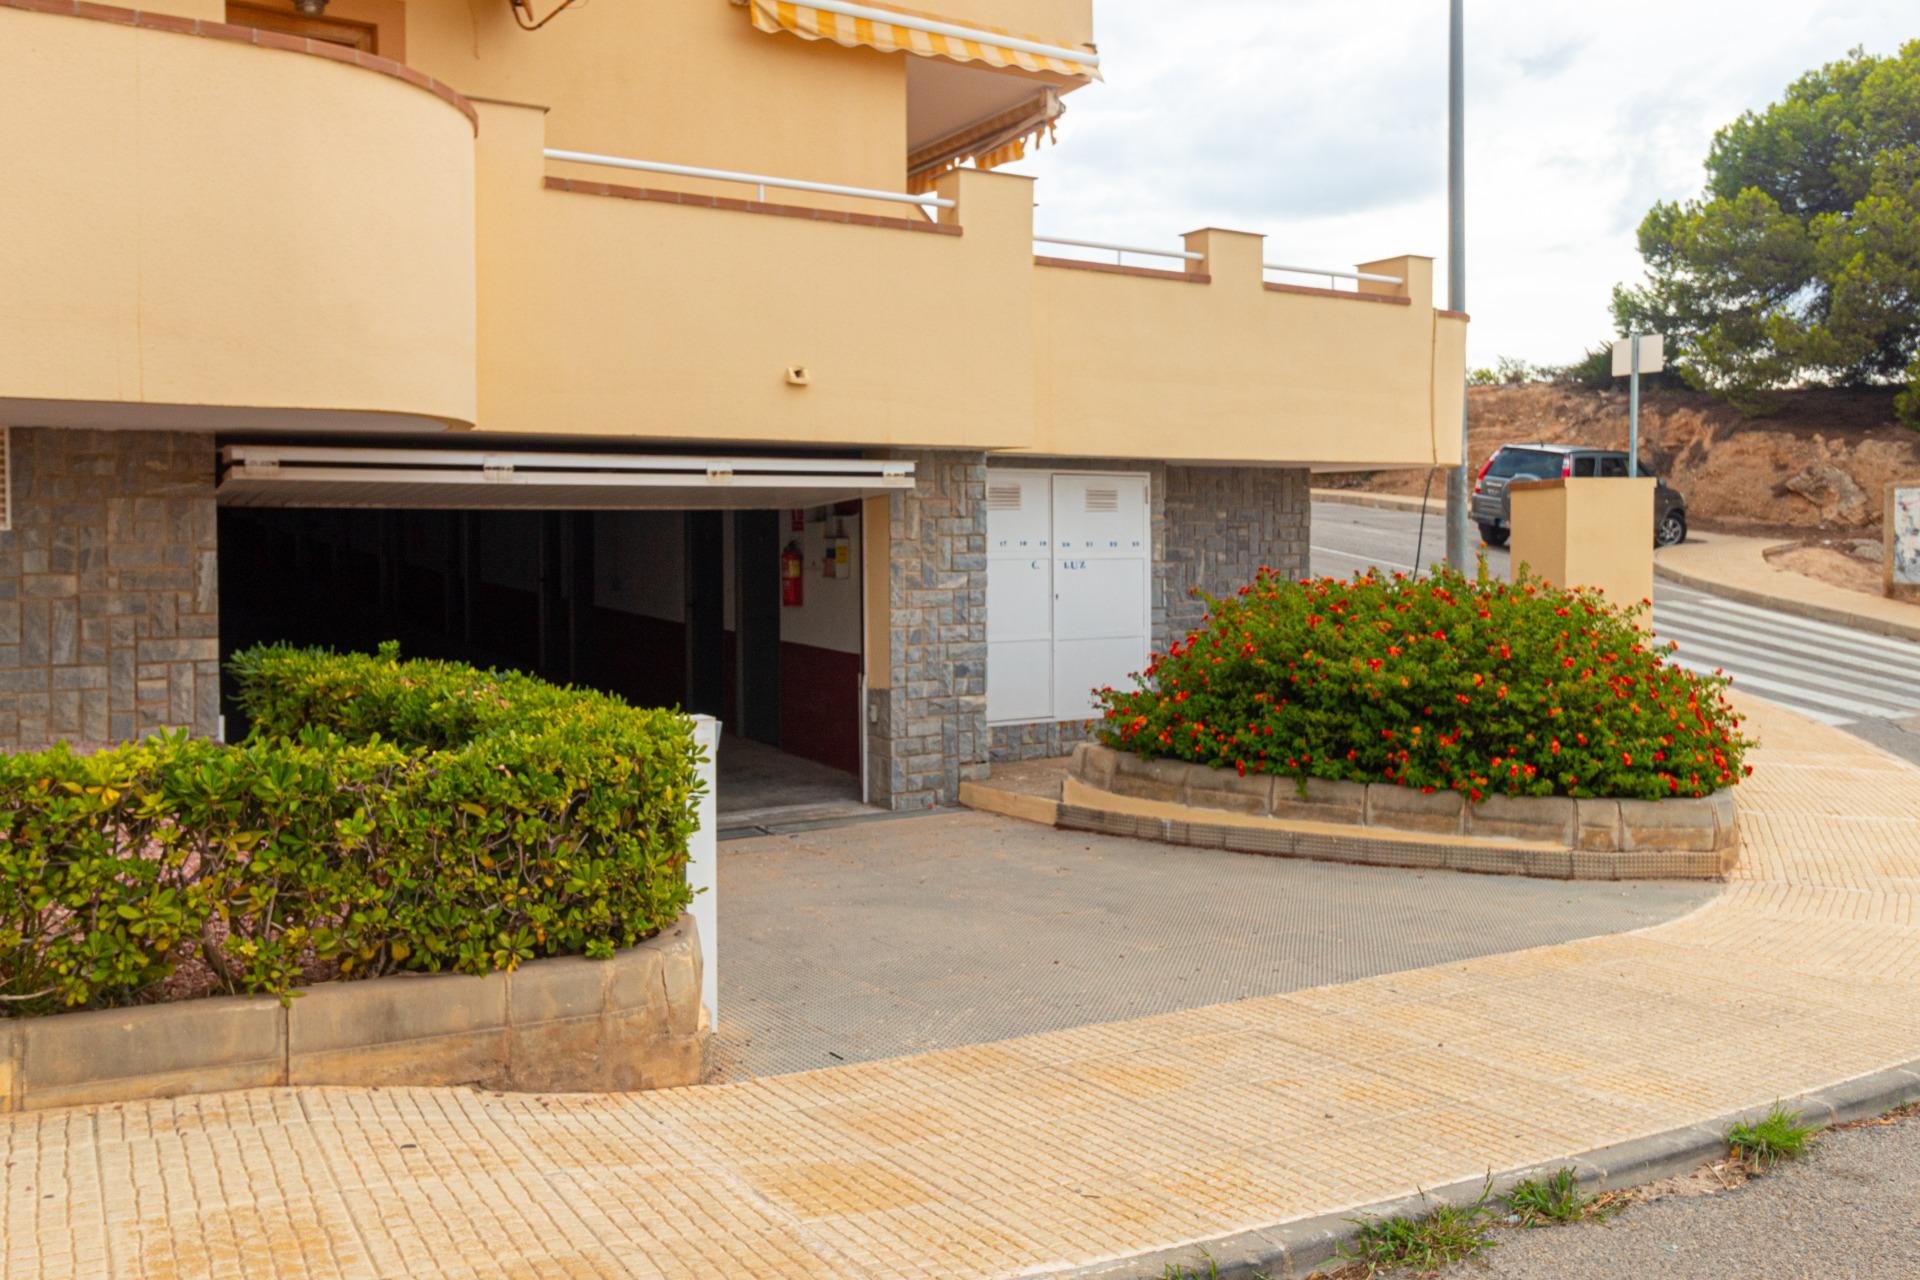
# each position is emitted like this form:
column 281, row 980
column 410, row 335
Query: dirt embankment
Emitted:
column 1815, row 467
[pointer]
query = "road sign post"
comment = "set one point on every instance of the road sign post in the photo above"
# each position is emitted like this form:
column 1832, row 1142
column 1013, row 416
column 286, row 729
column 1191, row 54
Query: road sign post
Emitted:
column 1459, row 546
column 1631, row 355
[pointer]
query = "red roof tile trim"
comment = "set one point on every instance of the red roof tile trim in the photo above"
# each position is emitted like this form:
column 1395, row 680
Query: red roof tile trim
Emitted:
column 1346, row 295
column 1115, row 269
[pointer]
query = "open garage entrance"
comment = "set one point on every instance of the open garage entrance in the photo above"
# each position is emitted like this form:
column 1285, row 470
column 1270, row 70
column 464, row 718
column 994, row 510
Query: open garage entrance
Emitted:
column 610, row 571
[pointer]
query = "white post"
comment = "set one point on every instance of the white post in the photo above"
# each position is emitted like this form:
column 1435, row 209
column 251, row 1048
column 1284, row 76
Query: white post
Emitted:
column 703, row 869
column 1633, row 409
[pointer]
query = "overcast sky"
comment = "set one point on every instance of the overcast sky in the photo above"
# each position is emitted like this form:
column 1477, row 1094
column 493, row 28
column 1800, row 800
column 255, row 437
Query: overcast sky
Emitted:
column 1322, row 123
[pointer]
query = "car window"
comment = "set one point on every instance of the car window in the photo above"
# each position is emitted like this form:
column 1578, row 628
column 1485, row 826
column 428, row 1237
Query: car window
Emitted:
column 1613, row 466
column 1536, row 464
column 1583, row 466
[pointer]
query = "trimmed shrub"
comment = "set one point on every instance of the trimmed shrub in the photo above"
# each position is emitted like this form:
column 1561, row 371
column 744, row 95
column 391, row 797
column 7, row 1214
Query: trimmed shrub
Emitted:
column 381, row 816
column 1441, row 682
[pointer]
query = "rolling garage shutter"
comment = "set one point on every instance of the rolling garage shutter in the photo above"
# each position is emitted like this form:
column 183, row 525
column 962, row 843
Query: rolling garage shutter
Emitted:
column 457, row 479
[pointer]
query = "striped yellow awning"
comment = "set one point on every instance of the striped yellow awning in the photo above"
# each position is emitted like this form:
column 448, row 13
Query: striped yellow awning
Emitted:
column 999, row 139
column 812, row 23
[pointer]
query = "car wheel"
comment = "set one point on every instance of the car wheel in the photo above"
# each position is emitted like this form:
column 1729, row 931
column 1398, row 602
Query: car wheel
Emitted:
column 1493, row 535
column 1672, row 530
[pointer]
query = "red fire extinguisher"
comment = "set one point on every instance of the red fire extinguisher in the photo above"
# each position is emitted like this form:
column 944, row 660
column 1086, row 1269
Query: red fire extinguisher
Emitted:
column 791, row 576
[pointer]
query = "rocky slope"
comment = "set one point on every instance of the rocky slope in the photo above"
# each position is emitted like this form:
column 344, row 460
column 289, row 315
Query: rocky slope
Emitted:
column 1818, row 462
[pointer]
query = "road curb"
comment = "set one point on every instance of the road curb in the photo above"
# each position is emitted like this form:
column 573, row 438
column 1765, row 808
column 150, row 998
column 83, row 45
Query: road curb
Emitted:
column 1787, row 604
column 1298, row 1248
column 1387, row 501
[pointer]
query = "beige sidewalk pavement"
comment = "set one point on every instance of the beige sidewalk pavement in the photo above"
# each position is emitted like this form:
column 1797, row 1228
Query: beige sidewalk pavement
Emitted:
column 1059, row 1149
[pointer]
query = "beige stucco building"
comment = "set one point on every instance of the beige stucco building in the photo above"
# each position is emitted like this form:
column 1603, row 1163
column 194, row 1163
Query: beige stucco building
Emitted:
column 689, row 348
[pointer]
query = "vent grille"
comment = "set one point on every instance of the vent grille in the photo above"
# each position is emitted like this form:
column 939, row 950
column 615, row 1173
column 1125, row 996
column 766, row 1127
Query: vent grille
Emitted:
column 1103, row 499
column 1003, row 497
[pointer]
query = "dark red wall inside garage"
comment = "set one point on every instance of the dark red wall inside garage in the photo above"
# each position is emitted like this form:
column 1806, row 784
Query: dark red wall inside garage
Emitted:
column 819, row 705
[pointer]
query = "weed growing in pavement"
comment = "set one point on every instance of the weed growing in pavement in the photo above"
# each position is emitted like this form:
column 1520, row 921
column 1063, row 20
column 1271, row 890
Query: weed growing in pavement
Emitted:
column 1539, row 1202
column 1211, row 1272
column 1780, row 1136
column 1446, row 1235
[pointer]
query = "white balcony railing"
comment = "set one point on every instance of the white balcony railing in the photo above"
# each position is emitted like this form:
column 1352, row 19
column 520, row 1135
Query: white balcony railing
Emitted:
column 761, row 181
column 1117, row 250
column 1333, row 277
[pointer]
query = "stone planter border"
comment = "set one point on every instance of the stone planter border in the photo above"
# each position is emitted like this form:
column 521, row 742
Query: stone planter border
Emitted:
column 566, row 1024
column 1707, row 825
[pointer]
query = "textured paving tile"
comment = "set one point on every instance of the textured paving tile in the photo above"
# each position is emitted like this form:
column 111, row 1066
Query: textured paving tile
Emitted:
column 1004, row 1158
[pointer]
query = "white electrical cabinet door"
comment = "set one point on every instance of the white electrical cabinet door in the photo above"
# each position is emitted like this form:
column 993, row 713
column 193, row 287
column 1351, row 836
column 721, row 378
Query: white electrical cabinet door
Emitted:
column 1068, row 577
column 1100, row 585
column 1019, row 596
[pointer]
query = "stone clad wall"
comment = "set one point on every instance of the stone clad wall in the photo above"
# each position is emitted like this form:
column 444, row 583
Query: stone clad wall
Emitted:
column 927, row 733
column 1222, row 524
column 109, row 607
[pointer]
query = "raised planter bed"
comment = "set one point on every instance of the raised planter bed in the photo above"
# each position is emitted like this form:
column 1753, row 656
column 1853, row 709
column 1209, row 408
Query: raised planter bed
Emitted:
column 1706, row 829
column 567, row 1024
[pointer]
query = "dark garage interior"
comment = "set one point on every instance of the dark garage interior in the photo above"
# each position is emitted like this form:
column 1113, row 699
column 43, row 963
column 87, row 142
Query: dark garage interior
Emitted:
column 664, row 608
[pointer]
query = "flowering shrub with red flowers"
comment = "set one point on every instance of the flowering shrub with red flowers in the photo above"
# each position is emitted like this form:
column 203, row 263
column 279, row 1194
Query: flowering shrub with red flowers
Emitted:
column 1441, row 682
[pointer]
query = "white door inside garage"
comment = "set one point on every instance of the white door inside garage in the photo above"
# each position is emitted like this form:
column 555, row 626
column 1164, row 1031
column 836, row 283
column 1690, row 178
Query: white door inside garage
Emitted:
column 1067, row 590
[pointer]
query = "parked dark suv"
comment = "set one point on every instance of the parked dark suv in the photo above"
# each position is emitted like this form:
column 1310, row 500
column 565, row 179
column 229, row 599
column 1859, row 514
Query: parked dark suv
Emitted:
column 1493, row 511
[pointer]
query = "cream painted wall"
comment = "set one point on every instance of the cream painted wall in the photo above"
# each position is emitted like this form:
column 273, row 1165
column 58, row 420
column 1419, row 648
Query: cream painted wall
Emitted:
column 681, row 81
column 1154, row 368
column 1449, row 385
column 200, row 221
column 609, row 316
column 1588, row 533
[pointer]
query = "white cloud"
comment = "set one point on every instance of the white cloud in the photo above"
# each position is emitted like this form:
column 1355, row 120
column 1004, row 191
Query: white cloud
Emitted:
column 1322, row 124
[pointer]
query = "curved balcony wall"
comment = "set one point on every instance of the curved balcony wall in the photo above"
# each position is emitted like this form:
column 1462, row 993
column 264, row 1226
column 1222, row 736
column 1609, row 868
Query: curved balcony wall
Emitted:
column 204, row 220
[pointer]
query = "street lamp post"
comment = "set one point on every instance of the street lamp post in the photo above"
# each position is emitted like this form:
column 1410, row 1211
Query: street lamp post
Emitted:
column 1459, row 546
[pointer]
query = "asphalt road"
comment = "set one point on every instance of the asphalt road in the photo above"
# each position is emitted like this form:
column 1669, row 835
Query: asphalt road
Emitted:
column 1864, row 683
column 1848, row 1209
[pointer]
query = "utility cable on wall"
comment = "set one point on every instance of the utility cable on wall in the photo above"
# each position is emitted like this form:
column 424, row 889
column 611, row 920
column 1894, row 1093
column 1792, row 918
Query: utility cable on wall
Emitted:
column 523, row 13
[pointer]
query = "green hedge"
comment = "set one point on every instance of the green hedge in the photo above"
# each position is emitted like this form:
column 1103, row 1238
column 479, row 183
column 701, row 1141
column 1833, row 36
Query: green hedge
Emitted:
column 1441, row 682
column 380, row 816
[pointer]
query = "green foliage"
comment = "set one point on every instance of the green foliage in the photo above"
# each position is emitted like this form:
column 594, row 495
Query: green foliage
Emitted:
column 1593, row 370
column 1439, row 682
column 382, row 815
column 1539, row 1201
column 1801, row 260
column 1446, row 1235
column 1509, row 371
column 1778, row 1136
